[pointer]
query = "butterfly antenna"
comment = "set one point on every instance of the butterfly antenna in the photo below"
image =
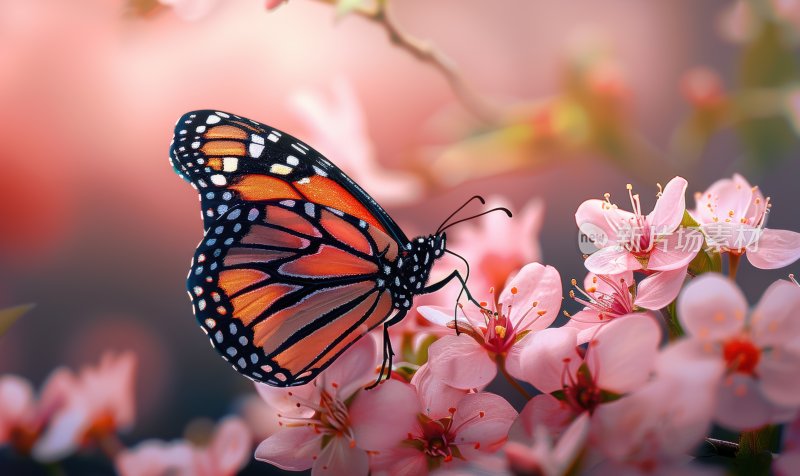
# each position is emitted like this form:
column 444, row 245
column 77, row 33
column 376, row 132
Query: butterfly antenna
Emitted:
column 474, row 197
column 460, row 293
column 501, row 209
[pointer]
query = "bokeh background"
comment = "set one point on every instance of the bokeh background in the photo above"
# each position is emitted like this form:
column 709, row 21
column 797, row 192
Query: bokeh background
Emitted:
column 98, row 232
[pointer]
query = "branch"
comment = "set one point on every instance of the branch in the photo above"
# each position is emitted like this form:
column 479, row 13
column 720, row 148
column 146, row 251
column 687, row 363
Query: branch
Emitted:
column 426, row 53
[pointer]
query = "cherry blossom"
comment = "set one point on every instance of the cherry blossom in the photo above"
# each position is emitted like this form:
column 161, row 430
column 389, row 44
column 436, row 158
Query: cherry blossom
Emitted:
column 608, row 297
column 99, row 402
column 330, row 424
column 495, row 246
column 529, row 303
column 226, row 453
column 23, row 417
column 451, row 427
column 756, row 352
column 633, row 241
column 543, row 457
column 732, row 214
column 619, row 359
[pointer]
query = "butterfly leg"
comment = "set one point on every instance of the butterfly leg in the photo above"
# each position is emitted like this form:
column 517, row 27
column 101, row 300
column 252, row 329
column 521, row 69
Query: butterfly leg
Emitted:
column 444, row 282
column 388, row 352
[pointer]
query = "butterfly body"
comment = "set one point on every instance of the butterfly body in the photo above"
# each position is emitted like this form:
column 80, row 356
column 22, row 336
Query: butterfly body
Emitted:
column 297, row 261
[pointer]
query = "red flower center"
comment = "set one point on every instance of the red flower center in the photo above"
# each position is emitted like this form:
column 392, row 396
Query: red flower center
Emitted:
column 741, row 355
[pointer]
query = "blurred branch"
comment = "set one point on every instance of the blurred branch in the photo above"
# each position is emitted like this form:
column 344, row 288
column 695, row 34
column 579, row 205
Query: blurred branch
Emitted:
column 427, row 53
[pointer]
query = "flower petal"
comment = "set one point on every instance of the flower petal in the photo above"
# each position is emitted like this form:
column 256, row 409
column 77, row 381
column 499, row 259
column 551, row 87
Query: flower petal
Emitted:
column 777, row 374
column 542, row 410
column 545, row 356
column 660, row 288
column 774, row 249
column 611, row 260
column 668, row 212
column 230, row 449
column 538, row 284
column 292, row 448
column 483, row 418
column 285, row 400
column 435, row 396
column 339, row 457
column 382, row 417
column 675, row 250
column 711, row 307
column 774, row 320
column 461, row 362
column 740, row 404
column 623, row 354
column 354, row 369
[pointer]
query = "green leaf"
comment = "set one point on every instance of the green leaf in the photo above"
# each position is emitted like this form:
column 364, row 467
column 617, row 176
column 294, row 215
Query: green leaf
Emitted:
column 688, row 221
column 673, row 325
column 343, row 7
column 755, row 451
column 10, row 315
column 607, row 396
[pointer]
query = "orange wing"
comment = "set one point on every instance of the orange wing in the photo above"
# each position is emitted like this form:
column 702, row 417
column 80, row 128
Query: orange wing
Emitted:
column 231, row 160
column 283, row 287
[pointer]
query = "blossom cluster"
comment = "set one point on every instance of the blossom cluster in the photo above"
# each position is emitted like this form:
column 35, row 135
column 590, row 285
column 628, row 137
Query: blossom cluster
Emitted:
column 665, row 349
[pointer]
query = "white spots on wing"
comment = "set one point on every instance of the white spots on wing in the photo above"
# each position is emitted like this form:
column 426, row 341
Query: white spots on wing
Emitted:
column 243, row 340
column 222, row 209
column 309, row 208
column 200, row 129
column 362, row 224
column 297, row 148
column 234, row 214
column 254, row 358
column 273, row 137
column 232, row 329
column 227, row 196
column 218, row 230
column 182, row 132
column 241, row 362
column 252, row 214
column 292, row 160
column 320, row 172
column 196, row 145
column 280, row 169
column 257, row 139
column 212, row 119
column 335, row 211
column 201, row 304
column 210, row 323
column 230, row 164
column 218, row 337
column 304, row 181
column 231, row 351
column 222, row 114
column 218, row 180
column 256, row 150
column 287, row 203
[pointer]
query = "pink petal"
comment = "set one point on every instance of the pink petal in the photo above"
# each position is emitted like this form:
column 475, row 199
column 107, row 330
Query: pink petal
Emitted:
column 786, row 464
column 668, row 212
column 711, row 307
column 623, row 354
column 340, row 458
column 676, row 250
column 461, row 362
column 399, row 461
column 483, row 418
column 64, row 434
column 16, row 398
column 374, row 427
column 611, row 260
column 231, row 446
column 691, row 360
column 740, row 405
column 354, row 369
column 774, row 320
column 587, row 322
column 660, row 288
column 774, row 249
column 572, row 441
column 514, row 358
column 725, row 196
column 285, row 400
column 538, row 284
column 592, row 281
column 542, row 410
column 443, row 315
column 435, row 397
column 292, row 448
column 545, row 356
column 777, row 374
column 591, row 220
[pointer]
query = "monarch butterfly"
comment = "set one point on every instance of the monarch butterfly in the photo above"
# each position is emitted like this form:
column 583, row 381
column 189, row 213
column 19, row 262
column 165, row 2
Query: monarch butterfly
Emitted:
column 297, row 262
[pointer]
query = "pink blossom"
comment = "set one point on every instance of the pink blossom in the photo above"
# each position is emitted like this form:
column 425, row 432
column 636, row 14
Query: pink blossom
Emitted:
column 262, row 420
column 620, row 358
column 495, row 246
column 338, row 129
column 529, row 303
column 756, row 353
column 99, row 402
column 789, row 460
column 608, row 297
column 732, row 214
column 227, row 452
column 23, row 417
column 633, row 241
column 451, row 427
column 330, row 424
column 703, row 88
column 543, row 457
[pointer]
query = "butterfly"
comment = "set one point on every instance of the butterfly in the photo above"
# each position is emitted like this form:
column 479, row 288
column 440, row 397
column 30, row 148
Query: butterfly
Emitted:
column 297, row 261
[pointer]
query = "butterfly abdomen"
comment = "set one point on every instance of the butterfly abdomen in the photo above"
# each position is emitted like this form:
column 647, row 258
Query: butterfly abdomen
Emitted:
column 412, row 268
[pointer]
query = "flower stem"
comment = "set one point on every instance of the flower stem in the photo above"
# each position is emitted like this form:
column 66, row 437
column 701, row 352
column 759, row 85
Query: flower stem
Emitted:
column 501, row 364
column 754, row 456
column 733, row 265
column 426, row 53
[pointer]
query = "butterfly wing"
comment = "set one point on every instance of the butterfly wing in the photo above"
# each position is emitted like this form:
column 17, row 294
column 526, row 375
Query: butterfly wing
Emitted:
column 233, row 160
column 283, row 287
